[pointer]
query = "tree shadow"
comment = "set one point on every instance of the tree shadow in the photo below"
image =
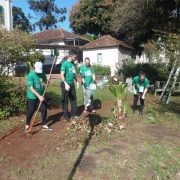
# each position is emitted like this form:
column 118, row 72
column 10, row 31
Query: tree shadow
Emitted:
column 94, row 119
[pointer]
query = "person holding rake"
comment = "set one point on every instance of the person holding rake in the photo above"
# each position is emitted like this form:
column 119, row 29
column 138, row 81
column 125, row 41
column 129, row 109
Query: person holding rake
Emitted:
column 35, row 82
column 140, row 86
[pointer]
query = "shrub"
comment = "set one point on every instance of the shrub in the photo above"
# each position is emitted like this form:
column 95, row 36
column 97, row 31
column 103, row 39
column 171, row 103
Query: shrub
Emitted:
column 102, row 70
column 12, row 97
column 152, row 70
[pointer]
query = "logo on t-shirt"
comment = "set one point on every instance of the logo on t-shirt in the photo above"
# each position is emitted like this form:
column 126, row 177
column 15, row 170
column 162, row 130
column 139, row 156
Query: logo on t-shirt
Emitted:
column 71, row 70
column 88, row 73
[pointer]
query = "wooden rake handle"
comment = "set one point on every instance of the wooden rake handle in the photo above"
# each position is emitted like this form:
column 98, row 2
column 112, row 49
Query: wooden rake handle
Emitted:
column 30, row 128
column 149, row 101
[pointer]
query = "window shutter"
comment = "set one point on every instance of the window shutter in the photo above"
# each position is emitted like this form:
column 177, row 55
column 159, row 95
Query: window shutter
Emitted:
column 52, row 53
column 56, row 52
column 1, row 15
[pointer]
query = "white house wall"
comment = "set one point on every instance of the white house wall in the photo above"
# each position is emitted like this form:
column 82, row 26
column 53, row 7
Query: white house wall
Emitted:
column 7, row 5
column 109, row 56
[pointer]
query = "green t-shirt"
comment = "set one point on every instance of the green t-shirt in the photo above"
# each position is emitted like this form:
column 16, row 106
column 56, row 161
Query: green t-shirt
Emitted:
column 140, row 85
column 69, row 69
column 87, row 72
column 36, row 80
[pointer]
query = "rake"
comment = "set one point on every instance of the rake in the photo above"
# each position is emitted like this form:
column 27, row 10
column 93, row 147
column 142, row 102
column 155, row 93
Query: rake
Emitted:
column 30, row 128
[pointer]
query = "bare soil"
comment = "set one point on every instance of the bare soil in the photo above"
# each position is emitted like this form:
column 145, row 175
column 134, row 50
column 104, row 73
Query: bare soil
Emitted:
column 48, row 154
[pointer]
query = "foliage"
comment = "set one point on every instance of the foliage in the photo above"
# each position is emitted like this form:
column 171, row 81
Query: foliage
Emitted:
column 16, row 47
column 135, row 19
column 89, row 37
column 12, row 97
column 131, row 69
column 47, row 13
column 93, row 17
column 101, row 70
column 118, row 90
column 20, row 21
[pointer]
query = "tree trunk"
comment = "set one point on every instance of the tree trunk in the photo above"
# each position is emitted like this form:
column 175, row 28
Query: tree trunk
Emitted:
column 120, row 110
column 172, row 87
column 169, row 78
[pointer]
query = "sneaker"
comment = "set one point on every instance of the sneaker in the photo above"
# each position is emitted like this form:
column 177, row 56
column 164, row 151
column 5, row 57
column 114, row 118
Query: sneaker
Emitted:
column 66, row 119
column 93, row 111
column 26, row 129
column 141, row 114
column 133, row 112
column 85, row 111
column 46, row 128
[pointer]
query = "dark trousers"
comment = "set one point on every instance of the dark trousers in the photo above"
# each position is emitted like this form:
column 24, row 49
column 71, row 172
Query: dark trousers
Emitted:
column 71, row 95
column 32, row 107
column 136, row 97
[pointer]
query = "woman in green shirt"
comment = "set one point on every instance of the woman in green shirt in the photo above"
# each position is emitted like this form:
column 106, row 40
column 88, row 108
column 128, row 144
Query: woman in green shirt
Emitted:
column 140, row 86
column 35, row 82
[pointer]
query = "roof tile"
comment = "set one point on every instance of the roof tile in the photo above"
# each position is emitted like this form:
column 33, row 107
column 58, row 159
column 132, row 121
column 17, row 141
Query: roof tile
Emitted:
column 105, row 41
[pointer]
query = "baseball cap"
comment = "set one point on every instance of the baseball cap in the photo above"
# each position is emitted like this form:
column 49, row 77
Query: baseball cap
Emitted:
column 38, row 67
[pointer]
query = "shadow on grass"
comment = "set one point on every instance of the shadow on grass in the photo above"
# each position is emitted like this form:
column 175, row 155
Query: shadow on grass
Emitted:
column 93, row 120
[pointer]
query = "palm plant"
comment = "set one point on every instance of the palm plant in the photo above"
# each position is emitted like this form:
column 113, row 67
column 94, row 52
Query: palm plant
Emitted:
column 118, row 92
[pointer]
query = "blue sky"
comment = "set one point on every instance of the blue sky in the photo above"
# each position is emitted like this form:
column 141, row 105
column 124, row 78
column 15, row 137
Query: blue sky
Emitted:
column 60, row 3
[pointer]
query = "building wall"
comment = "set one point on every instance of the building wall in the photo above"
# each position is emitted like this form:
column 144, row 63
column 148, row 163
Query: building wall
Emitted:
column 111, row 56
column 7, row 7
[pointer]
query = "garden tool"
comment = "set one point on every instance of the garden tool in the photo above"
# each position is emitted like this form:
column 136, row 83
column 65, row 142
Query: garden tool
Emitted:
column 102, row 82
column 149, row 101
column 43, row 96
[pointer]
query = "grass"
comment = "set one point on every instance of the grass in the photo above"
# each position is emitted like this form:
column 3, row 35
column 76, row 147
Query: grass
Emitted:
column 138, row 152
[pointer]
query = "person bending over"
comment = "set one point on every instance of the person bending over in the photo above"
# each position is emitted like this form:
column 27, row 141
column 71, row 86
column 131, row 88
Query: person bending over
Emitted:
column 140, row 86
column 35, row 82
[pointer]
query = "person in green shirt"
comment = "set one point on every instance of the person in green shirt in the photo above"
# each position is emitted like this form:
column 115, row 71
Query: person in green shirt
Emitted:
column 68, row 75
column 140, row 86
column 88, row 78
column 35, row 89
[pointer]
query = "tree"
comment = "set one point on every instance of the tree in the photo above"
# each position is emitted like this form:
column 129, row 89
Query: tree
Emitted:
column 47, row 13
column 16, row 47
column 133, row 20
column 91, row 16
column 20, row 21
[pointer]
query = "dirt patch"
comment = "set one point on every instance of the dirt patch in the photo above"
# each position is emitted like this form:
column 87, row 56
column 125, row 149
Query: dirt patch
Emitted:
column 160, row 132
column 87, row 164
column 108, row 150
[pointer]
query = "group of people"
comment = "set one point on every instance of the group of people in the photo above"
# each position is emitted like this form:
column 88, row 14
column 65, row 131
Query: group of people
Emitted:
column 36, row 81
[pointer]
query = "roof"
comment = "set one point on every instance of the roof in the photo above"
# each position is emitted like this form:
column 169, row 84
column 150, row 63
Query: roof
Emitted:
column 57, row 33
column 105, row 41
column 60, row 47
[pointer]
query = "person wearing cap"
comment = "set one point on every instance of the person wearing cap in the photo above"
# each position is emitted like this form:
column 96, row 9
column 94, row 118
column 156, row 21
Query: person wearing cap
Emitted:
column 140, row 86
column 88, row 78
column 68, row 75
column 35, row 82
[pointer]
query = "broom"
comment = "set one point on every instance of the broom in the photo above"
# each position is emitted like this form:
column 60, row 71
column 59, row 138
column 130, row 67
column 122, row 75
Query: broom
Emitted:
column 43, row 96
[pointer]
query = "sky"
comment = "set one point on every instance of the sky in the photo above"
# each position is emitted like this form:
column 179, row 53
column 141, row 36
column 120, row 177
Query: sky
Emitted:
column 60, row 3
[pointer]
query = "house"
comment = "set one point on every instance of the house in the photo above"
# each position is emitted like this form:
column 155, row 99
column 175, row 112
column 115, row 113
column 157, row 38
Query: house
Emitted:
column 107, row 51
column 6, row 14
column 58, row 36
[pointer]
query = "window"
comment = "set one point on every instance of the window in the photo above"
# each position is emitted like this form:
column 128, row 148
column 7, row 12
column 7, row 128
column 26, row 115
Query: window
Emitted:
column 99, row 58
column 1, row 15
